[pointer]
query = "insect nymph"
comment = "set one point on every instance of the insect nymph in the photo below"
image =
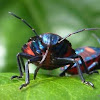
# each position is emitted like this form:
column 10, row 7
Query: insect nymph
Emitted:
column 48, row 51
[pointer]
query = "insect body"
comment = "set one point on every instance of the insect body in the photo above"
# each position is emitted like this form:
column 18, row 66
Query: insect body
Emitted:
column 91, row 57
column 48, row 48
column 48, row 51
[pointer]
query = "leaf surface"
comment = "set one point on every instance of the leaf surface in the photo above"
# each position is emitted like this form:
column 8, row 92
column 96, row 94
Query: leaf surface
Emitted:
column 47, row 87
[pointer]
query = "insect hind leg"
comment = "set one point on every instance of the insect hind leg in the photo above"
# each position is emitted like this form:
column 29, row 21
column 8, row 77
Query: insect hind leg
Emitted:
column 92, row 68
column 73, row 61
column 63, row 73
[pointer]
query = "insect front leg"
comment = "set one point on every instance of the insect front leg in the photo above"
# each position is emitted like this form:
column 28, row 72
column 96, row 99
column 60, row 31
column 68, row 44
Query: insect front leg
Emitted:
column 27, row 75
column 66, row 61
column 31, row 60
column 22, row 61
column 19, row 61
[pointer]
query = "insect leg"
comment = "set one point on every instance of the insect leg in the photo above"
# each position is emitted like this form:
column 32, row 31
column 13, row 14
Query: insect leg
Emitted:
column 31, row 60
column 92, row 67
column 83, row 63
column 27, row 76
column 81, row 75
column 20, row 55
column 63, row 73
column 22, row 61
column 36, row 70
column 87, row 69
column 71, row 61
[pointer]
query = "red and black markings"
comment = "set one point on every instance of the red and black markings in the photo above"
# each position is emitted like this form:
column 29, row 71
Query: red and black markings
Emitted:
column 89, row 55
column 50, row 51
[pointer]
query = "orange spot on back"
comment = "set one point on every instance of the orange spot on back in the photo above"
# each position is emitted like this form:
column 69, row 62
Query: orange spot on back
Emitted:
column 89, row 50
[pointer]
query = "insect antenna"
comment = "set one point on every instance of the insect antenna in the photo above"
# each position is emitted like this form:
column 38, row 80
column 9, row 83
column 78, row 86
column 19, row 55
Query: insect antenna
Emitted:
column 24, row 22
column 86, row 29
column 95, row 36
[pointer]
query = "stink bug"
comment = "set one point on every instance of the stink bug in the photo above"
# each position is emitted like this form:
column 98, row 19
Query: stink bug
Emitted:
column 48, row 51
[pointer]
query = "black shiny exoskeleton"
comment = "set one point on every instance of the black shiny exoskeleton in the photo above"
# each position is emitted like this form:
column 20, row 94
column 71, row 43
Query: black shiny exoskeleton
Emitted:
column 48, row 51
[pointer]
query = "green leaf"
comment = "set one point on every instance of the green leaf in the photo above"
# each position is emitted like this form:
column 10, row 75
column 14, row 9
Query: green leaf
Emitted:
column 47, row 87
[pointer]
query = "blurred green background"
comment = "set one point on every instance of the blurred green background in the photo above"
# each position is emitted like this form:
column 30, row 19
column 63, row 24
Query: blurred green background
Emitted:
column 56, row 16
